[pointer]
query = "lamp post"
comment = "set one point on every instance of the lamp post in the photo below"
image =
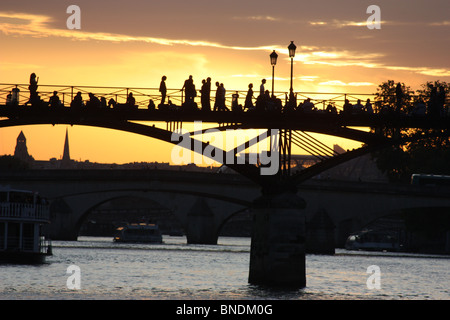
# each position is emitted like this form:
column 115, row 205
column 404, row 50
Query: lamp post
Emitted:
column 291, row 49
column 273, row 62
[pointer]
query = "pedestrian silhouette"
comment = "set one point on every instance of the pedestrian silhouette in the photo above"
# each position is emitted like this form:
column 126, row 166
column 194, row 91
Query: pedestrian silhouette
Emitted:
column 34, row 97
column 151, row 105
column 163, row 89
column 222, row 95
column 189, row 90
column 94, row 102
column 218, row 97
column 9, row 99
column 249, row 98
column 131, row 101
column 348, row 107
column 77, row 102
column 112, row 103
column 15, row 96
column 358, row 107
column 33, row 83
column 103, row 103
column 235, row 106
column 205, row 94
column 54, row 101
column 368, row 107
column 262, row 90
column 331, row 109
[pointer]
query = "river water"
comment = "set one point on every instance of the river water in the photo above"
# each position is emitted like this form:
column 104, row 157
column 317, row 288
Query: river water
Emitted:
column 175, row 270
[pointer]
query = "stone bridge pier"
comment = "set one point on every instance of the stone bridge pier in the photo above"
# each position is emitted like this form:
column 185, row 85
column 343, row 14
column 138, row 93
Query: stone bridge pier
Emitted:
column 277, row 255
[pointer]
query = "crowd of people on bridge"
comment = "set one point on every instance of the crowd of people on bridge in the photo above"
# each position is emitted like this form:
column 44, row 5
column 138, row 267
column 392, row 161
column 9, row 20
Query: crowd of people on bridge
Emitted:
column 263, row 102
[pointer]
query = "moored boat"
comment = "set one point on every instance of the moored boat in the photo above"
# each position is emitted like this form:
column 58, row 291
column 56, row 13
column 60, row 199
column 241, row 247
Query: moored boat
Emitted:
column 22, row 217
column 373, row 241
column 139, row 232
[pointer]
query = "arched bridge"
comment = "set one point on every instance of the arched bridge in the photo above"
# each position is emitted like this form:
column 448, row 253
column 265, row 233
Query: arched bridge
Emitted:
column 288, row 126
column 278, row 241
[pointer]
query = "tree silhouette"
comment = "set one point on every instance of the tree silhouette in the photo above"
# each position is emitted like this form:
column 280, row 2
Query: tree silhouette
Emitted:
column 386, row 96
column 430, row 155
column 425, row 92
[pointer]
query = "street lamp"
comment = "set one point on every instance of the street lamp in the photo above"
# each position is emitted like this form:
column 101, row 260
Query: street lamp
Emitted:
column 273, row 62
column 291, row 49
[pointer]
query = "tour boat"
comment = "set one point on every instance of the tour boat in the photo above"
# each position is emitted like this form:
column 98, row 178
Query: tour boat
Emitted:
column 373, row 241
column 22, row 217
column 139, row 232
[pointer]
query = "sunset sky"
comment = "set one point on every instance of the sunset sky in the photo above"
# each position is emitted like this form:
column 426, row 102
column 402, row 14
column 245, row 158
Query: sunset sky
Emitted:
column 133, row 43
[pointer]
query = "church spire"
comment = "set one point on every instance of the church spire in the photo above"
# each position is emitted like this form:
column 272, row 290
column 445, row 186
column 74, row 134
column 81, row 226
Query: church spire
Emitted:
column 65, row 162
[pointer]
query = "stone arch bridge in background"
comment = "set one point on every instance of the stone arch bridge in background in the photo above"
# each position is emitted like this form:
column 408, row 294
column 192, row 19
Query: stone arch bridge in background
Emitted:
column 203, row 202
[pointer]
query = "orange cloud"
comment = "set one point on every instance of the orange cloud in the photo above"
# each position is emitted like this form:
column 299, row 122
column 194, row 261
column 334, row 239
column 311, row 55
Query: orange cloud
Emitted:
column 37, row 26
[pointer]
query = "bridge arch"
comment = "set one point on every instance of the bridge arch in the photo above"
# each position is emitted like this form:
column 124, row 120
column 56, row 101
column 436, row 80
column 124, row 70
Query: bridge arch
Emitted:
column 122, row 207
column 179, row 202
column 248, row 170
column 231, row 216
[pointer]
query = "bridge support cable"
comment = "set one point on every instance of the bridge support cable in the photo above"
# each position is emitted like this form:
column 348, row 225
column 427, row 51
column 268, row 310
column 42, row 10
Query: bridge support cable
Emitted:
column 326, row 164
column 312, row 171
column 285, row 148
column 319, row 143
column 309, row 147
column 313, row 146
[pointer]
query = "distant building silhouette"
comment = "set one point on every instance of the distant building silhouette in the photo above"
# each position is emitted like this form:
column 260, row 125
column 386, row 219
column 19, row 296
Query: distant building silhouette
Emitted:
column 21, row 150
column 66, row 163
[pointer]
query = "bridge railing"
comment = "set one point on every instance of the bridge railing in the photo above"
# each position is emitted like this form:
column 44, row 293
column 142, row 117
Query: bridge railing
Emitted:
column 66, row 93
column 321, row 100
column 20, row 93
